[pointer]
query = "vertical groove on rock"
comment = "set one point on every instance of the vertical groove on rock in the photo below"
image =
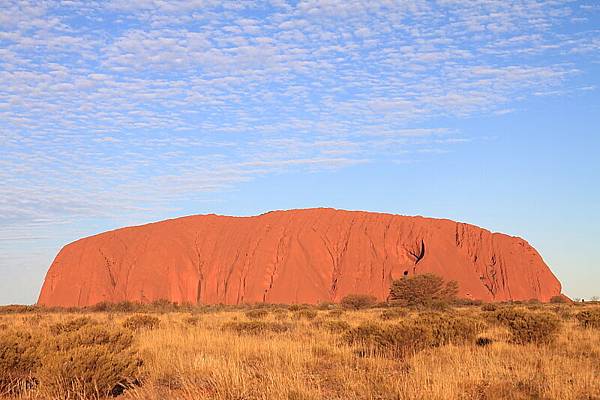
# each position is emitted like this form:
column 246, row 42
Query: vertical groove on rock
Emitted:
column 280, row 244
column 490, row 281
column 385, row 253
column 229, row 273
column 199, row 268
column 333, row 262
column 337, row 272
column 107, row 265
column 245, row 269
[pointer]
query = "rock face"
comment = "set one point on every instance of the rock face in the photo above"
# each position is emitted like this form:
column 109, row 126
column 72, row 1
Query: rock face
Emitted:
column 297, row 256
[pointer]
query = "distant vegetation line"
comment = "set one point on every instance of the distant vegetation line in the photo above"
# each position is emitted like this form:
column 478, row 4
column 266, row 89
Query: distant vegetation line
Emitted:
column 357, row 349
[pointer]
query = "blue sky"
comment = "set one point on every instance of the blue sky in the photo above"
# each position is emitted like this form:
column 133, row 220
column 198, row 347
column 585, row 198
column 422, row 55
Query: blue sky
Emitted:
column 115, row 113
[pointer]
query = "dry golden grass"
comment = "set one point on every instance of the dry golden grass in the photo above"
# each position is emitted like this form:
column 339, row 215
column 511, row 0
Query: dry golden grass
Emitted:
column 200, row 356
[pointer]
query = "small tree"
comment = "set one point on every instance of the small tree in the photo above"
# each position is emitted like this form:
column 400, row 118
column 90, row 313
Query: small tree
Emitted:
column 424, row 290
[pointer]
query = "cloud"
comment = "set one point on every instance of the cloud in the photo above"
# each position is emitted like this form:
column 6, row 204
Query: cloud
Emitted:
column 114, row 109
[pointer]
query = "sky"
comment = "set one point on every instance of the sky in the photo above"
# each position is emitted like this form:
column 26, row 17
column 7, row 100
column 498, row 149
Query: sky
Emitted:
column 115, row 113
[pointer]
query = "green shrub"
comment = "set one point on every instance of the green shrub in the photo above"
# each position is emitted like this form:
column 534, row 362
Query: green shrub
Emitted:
column 85, row 372
column 102, row 306
column 34, row 320
column 335, row 313
column 257, row 327
column 558, row 299
column 280, row 314
column 192, row 320
column 439, row 305
column 18, row 360
column 92, row 361
column 367, row 333
column 423, row 290
column 71, row 325
column 412, row 335
column 122, row 307
column 18, row 309
column 589, row 318
column 489, row 307
column 398, row 340
column 326, row 305
column 467, row 302
column 306, row 314
column 358, row 301
column 484, row 341
column 448, row 328
column 529, row 327
column 507, row 314
column 126, row 307
column 256, row 314
column 163, row 306
column 563, row 311
column 91, row 335
column 141, row 322
column 73, row 359
column 535, row 306
column 336, row 326
column 393, row 313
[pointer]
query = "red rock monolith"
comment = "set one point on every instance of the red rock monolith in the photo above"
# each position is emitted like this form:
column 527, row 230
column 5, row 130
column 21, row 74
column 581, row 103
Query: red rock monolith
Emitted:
column 296, row 256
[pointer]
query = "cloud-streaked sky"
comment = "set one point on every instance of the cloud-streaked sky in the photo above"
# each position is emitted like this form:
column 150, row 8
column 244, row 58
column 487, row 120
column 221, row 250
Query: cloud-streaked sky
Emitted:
column 115, row 113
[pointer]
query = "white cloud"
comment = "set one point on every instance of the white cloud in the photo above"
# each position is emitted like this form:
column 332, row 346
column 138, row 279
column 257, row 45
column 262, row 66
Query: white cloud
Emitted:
column 110, row 109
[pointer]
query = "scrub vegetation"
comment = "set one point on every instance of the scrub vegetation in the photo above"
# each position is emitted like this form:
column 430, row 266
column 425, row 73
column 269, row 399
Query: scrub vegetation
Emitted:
column 359, row 350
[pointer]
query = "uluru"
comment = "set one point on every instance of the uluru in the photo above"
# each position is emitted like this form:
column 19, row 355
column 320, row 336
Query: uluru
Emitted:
column 295, row 256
